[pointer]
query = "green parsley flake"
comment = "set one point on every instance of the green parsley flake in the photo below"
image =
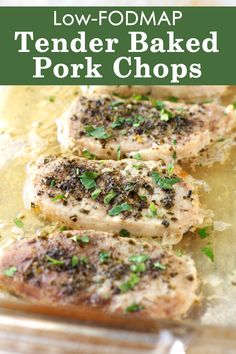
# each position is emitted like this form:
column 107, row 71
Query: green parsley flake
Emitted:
column 139, row 258
column 87, row 154
column 159, row 105
column 165, row 182
column 88, row 179
column 153, row 210
column 140, row 98
column 118, row 153
column 108, row 198
column 96, row 193
column 174, row 155
column 84, row 260
column 120, row 208
column 52, row 184
column 138, row 268
column 203, row 232
column 58, row 197
column 116, row 103
column 134, row 308
column 118, row 123
column 64, row 228
column 172, row 99
column 130, row 283
column 74, row 261
column 159, row 265
column 165, row 115
column 137, row 156
column 103, row 256
column 9, row 272
column 51, row 99
column 174, row 142
column 18, row 223
column 208, row 251
column 234, row 105
column 138, row 166
column 54, row 261
column 170, row 168
column 124, row 233
column 83, row 239
column 138, row 120
column 98, row 133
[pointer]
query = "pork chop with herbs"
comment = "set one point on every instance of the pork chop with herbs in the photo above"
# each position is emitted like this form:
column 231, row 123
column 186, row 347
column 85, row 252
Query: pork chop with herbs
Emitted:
column 105, row 125
column 146, row 198
column 96, row 269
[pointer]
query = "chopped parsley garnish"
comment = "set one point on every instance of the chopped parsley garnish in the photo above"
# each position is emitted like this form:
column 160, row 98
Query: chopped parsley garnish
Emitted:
column 159, row 105
column 179, row 253
column 165, row 182
column 103, row 257
column 96, row 193
column 18, row 223
column 120, row 208
column 118, row 122
column 54, row 261
column 124, row 233
column 84, row 259
column 170, row 168
column 139, row 258
column 130, row 283
column 138, row 268
column 165, row 115
column 58, row 197
column 52, row 184
column 220, row 140
column 208, row 251
column 87, row 154
column 140, row 98
column 203, row 232
column 234, row 105
column 88, row 179
column 138, row 120
column 172, row 99
column 153, row 210
column 64, row 228
column 9, row 272
column 111, row 195
column 129, row 186
column 51, row 99
column 137, row 156
column 98, row 133
column 78, row 238
column 174, row 142
column 116, row 103
column 138, row 166
column 74, row 261
column 134, row 308
column 159, row 265
column 143, row 197
column 118, row 153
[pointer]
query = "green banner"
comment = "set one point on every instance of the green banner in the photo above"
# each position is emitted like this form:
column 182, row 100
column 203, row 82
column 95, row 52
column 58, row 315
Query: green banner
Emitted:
column 117, row 45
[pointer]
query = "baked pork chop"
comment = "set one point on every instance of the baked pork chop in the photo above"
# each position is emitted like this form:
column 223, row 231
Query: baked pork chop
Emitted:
column 93, row 268
column 146, row 198
column 191, row 93
column 156, row 130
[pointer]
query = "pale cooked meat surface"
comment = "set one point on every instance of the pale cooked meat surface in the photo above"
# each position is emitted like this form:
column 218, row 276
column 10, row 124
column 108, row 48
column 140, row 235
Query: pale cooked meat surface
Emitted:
column 157, row 130
column 146, row 198
column 96, row 269
column 193, row 93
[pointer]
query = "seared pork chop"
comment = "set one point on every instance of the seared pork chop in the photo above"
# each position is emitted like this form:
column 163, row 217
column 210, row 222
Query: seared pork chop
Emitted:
column 97, row 269
column 189, row 93
column 146, row 198
column 156, row 130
